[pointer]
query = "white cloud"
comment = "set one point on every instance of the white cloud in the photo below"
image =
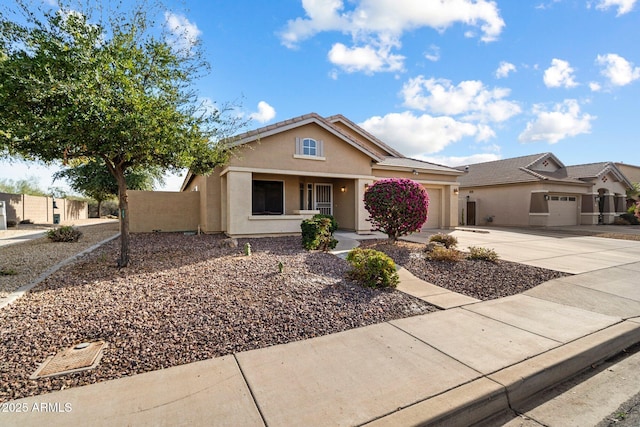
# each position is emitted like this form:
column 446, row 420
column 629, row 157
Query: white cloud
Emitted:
column 433, row 54
column 367, row 59
column 423, row 134
column 469, row 97
column 183, row 33
column 264, row 114
column 624, row 6
column 504, row 69
column 376, row 27
column 595, row 86
column 563, row 121
column 618, row 70
column 559, row 74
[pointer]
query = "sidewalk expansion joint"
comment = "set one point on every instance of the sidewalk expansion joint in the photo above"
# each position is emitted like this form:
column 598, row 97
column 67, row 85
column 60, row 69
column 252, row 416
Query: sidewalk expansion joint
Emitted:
column 253, row 396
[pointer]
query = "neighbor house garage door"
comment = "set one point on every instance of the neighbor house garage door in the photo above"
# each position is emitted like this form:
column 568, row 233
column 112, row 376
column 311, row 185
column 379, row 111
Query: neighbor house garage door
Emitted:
column 563, row 210
column 435, row 206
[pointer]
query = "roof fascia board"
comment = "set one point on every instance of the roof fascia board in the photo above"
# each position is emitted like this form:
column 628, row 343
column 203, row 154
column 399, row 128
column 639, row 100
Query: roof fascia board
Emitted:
column 360, row 131
column 304, row 122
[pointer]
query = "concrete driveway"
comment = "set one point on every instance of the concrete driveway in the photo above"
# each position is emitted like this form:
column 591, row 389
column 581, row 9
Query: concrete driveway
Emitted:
column 561, row 249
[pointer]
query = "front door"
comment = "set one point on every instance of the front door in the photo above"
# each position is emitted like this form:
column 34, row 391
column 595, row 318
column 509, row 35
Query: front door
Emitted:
column 324, row 198
column 471, row 213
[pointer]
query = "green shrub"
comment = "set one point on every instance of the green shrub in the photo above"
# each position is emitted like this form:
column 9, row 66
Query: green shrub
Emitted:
column 630, row 218
column 447, row 240
column 372, row 268
column 439, row 253
column 334, row 224
column 66, row 233
column 485, row 254
column 316, row 234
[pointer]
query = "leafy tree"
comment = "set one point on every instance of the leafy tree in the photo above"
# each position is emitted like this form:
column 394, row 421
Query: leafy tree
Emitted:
column 107, row 87
column 22, row 186
column 397, row 206
column 93, row 180
column 637, row 213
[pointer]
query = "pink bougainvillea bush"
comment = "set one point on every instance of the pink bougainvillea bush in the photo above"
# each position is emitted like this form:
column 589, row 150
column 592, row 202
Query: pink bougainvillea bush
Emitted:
column 397, row 206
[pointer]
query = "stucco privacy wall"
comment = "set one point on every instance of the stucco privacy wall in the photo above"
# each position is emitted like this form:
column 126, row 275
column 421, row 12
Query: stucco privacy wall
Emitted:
column 163, row 211
column 39, row 209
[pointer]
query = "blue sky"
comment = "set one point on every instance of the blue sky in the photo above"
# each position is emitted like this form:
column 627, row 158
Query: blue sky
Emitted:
column 454, row 82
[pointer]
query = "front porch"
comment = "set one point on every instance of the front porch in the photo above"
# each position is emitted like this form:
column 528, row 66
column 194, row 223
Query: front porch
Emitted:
column 276, row 202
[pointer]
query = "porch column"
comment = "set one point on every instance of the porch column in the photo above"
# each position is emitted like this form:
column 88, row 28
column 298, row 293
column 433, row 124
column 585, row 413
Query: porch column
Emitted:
column 361, row 214
column 589, row 209
column 621, row 201
column 609, row 209
column 238, row 202
column 450, row 201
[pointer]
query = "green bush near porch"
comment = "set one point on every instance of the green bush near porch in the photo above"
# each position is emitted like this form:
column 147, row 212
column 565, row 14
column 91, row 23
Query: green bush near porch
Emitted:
column 317, row 233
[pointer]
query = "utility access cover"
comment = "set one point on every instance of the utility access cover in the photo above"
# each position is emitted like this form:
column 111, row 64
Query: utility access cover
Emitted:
column 80, row 357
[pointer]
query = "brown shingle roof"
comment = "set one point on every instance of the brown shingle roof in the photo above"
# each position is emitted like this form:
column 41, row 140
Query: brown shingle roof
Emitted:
column 406, row 162
column 512, row 171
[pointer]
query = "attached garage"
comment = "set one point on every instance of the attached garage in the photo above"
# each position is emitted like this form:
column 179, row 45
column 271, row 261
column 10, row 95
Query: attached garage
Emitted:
column 435, row 208
column 563, row 210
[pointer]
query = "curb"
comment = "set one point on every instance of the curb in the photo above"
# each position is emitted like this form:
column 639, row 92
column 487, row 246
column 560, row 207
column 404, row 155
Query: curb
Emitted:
column 511, row 388
column 13, row 296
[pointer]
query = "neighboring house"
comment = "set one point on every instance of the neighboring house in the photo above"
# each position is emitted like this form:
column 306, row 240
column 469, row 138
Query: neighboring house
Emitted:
column 291, row 170
column 539, row 190
column 632, row 173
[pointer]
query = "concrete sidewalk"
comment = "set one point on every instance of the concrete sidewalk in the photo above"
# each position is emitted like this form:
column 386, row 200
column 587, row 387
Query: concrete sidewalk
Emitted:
column 454, row 367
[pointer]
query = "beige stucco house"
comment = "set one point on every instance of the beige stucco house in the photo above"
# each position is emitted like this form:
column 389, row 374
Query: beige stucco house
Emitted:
column 539, row 190
column 291, row 170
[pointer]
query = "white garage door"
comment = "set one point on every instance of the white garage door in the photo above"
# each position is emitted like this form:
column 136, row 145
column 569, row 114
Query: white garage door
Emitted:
column 563, row 210
column 435, row 206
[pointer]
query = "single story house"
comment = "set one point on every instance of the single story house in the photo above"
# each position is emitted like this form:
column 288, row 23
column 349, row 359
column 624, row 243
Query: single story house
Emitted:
column 286, row 172
column 539, row 190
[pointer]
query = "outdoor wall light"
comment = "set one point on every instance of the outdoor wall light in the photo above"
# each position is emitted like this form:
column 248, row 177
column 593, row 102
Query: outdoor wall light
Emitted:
column 55, row 205
column 343, row 189
column 415, row 172
column 456, row 191
column 546, row 197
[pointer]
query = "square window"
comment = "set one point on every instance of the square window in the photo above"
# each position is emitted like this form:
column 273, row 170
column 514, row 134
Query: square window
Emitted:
column 267, row 198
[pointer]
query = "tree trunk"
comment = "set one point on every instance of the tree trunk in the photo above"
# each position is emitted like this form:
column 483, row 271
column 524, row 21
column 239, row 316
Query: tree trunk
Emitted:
column 123, row 261
column 99, row 208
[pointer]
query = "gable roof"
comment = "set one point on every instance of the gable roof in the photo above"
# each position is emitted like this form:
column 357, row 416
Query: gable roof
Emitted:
column 300, row 121
column 591, row 171
column 382, row 155
column 363, row 133
column 515, row 170
column 528, row 169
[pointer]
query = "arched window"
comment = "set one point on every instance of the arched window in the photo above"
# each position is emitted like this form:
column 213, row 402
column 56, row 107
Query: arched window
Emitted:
column 309, row 147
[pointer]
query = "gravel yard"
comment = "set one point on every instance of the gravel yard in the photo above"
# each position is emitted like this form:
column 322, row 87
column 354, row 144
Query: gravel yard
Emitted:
column 30, row 259
column 184, row 299
column 483, row 280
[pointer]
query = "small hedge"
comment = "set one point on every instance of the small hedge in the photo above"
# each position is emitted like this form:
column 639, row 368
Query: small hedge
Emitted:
column 372, row 268
column 484, row 254
column 447, row 240
column 439, row 253
column 66, row 233
column 317, row 234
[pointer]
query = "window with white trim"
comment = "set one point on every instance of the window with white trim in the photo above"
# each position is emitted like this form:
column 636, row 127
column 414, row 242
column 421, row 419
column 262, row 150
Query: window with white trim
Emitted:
column 309, row 147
